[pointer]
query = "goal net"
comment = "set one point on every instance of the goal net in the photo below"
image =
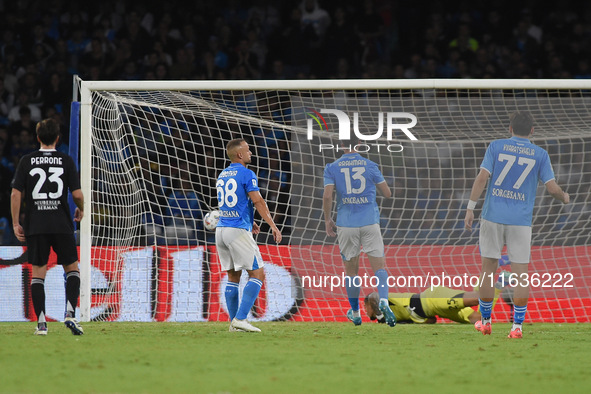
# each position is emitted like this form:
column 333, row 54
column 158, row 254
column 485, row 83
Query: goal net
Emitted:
column 151, row 153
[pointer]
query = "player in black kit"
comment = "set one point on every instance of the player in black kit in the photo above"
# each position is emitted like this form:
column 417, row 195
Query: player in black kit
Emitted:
column 43, row 178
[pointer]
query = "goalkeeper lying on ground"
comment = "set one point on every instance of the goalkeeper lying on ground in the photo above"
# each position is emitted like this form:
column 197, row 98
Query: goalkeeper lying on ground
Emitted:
column 424, row 307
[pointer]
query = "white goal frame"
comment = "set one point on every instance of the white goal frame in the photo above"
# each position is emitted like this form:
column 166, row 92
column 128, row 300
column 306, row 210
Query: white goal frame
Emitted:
column 87, row 87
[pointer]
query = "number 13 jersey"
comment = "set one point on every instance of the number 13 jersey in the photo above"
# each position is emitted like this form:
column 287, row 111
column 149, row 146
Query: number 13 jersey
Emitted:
column 354, row 178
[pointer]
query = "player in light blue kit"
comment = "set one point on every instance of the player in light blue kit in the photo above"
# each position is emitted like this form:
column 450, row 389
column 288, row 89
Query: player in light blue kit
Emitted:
column 514, row 167
column 355, row 180
column 238, row 194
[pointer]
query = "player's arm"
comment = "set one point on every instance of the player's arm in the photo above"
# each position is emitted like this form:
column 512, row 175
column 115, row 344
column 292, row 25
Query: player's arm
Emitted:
column 556, row 191
column 263, row 210
column 384, row 189
column 477, row 189
column 327, row 210
column 78, row 198
column 15, row 209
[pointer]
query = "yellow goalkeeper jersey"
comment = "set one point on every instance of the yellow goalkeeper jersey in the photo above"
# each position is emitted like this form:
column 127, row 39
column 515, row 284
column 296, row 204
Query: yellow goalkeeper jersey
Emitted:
column 399, row 303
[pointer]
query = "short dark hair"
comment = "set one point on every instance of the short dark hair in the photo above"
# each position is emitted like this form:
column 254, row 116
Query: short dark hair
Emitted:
column 48, row 131
column 233, row 144
column 521, row 123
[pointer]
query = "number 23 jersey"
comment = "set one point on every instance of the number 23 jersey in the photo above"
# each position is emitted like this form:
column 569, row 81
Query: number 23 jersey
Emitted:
column 44, row 177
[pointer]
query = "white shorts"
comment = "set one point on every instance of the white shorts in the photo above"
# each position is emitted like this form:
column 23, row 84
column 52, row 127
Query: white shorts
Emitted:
column 493, row 236
column 237, row 249
column 351, row 239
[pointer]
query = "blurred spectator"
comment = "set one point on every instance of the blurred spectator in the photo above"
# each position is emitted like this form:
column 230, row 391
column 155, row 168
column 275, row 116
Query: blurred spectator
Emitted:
column 24, row 121
column 341, row 41
column 135, row 35
column 242, row 56
column 94, row 55
column 183, row 66
column 23, row 105
column 6, row 103
column 5, row 158
column 464, row 41
column 370, row 29
column 30, row 85
column 22, row 143
column 56, row 93
column 315, row 16
column 9, row 79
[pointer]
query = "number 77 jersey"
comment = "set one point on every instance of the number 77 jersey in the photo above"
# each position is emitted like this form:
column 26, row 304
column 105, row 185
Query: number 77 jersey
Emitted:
column 354, row 178
column 233, row 185
column 516, row 165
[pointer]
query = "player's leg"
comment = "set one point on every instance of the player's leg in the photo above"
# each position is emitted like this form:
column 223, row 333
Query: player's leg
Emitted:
column 519, row 250
column 64, row 246
column 486, row 294
column 349, row 245
column 72, row 288
column 249, row 295
column 246, row 256
column 499, row 285
column 38, row 296
column 373, row 245
column 378, row 265
column 38, row 248
column 72, row 294
column 520, row 298
column 491, row 242
column 353, row 288
column 256, row 278
column 231, row 293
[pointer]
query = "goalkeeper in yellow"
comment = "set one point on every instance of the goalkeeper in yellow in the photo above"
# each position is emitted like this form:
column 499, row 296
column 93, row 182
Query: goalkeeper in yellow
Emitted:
column 424, row 307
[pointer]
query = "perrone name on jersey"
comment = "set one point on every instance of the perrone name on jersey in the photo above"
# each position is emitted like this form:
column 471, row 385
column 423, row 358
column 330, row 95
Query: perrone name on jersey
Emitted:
column 35, row 161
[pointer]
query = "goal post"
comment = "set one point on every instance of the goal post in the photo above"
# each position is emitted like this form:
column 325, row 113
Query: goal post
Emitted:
column 151, row 150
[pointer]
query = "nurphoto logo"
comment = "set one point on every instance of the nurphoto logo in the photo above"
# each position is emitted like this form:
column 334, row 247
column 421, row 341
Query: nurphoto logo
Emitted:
column 392, row 125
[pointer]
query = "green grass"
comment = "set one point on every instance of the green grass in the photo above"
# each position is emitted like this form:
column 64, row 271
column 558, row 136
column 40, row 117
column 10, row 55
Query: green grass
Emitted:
column 293, row 357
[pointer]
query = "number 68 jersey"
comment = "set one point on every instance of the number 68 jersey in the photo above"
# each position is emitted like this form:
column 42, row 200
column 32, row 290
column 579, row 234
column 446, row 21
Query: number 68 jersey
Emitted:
column 515, row 166
column 233, row 185
column 44, row 177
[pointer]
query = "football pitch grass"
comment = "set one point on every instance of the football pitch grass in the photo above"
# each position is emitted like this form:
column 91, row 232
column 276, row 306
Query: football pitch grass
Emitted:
column 293, row 357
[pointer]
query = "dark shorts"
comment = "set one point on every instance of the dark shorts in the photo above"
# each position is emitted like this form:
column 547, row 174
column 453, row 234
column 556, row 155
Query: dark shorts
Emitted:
column 64, row 246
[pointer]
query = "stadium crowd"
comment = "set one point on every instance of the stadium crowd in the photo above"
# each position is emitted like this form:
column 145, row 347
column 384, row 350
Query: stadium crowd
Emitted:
column 43, row 44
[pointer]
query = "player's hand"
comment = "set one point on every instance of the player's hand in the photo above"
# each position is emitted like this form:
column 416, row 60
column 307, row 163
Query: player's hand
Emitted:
column 330, row 228
column 255, row 229
column 566, row 198
column 469, row 219
column 277, row 234
column 19, row 232
column 78, row 215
